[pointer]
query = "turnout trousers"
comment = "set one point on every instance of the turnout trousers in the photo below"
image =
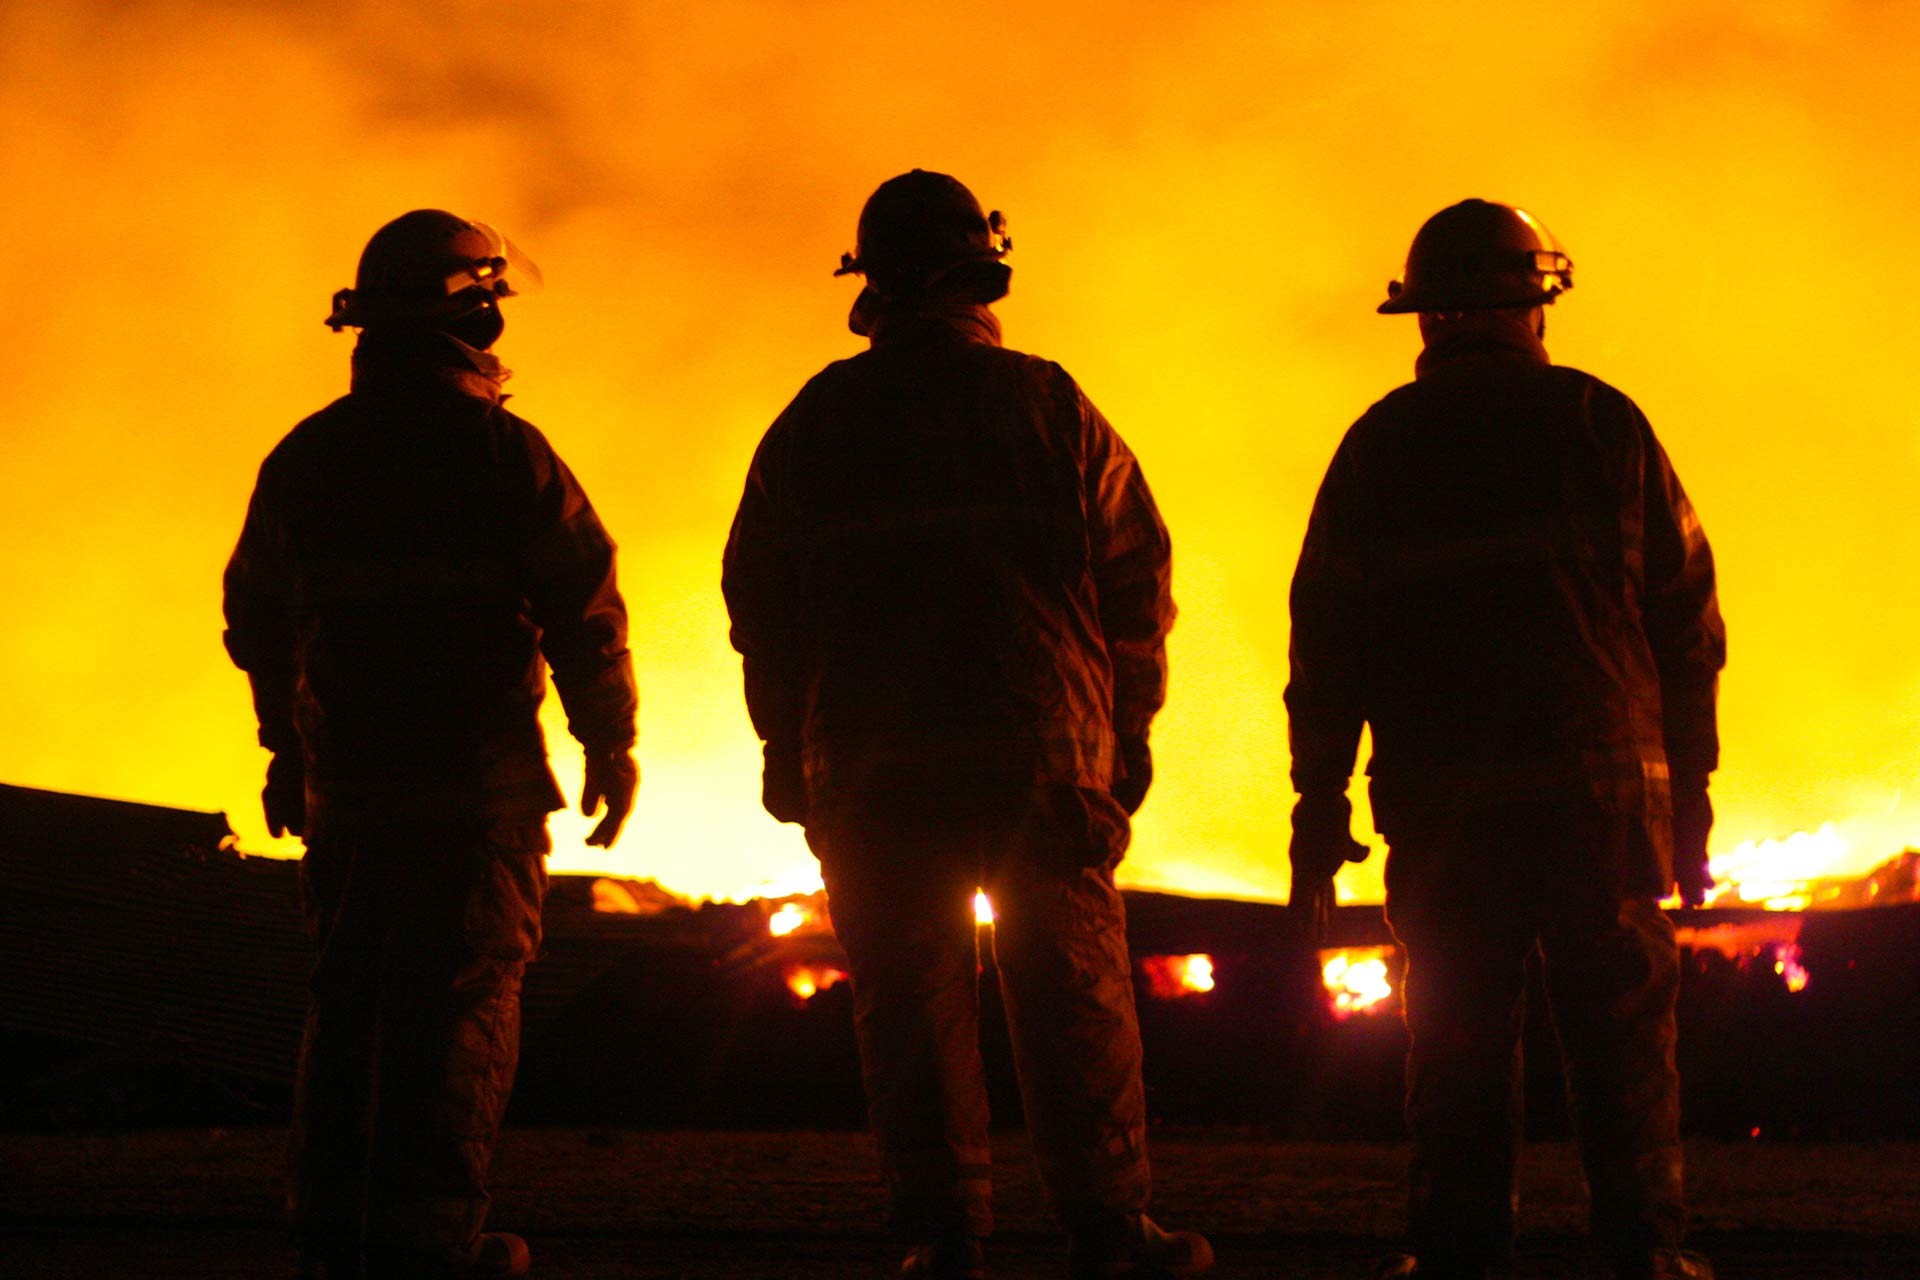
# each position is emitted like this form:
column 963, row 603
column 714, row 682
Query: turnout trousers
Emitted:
column 1471, row 904
column 412, row 1036
column 901, row 870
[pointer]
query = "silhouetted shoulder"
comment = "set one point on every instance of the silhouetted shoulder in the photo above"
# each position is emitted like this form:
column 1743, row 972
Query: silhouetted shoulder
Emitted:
column 1603, row 397
column 309, row 433
column 456, row 418
column 1558, row 389
column 850, row 385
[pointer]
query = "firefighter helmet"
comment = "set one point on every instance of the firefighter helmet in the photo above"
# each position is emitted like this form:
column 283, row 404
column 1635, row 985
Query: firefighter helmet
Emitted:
column 1480, row 256
column 431, row 266
column 923, row 228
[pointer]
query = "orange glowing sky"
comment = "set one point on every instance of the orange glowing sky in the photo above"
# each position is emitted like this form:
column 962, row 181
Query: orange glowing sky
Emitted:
column 1206, row 201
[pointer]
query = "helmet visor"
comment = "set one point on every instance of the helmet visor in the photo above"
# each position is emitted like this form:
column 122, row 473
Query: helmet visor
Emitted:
column 502, row 268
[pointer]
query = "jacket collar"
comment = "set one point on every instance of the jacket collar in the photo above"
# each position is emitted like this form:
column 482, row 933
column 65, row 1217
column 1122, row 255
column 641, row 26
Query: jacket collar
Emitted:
column 1510, row 342
column 885, row 325
column 425, row 360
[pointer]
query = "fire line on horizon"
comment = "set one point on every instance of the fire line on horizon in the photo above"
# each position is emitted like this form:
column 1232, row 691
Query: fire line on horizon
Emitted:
column 1206, row 203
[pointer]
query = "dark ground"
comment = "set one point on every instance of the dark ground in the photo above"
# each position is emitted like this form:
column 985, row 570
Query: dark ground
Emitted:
column 601, row 1204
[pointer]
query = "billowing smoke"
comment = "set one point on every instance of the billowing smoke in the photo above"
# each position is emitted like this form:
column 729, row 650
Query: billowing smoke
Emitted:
column 1206, row 201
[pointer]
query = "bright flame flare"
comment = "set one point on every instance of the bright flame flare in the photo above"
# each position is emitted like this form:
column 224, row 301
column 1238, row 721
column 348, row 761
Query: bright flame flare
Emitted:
column 1170, row 977
column 1776, row 873
column 1197, row 973
column 1357, row 979
column 807, row 981
column 789, row 917
column 982, row 909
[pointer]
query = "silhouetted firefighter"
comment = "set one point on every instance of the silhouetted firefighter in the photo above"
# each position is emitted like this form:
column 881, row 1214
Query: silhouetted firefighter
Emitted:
column 410, row 553
column 1503, row 577
column 951, row 589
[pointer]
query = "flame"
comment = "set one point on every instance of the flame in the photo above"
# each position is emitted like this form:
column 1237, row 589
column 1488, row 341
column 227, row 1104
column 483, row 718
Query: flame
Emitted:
column 806, row 981
column 1823, row 868
column 1741, row 941
column 1197, row 973
column 1770, row 940
column 634, row 898
column 982, row 909
column 1170, row 977
column 789, row 917
column 614, row 898
column 1357, row 978
column 629, row 178
column 1775, row 873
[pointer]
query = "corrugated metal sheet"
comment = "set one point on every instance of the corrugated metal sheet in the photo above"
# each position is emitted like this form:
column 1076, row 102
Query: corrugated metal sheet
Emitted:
column 130, row 924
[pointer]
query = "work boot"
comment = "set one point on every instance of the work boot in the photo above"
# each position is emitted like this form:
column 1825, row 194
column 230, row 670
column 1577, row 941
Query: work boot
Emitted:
column 954, row 1258
column 1664, row 1264
column 1133, row 1247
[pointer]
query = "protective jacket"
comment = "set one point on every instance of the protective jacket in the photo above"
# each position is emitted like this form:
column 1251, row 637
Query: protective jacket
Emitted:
column 1504, row 578
column 409, row 555
column 946, row 563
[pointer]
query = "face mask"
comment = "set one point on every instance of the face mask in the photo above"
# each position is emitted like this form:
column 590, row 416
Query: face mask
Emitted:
column 480, row 329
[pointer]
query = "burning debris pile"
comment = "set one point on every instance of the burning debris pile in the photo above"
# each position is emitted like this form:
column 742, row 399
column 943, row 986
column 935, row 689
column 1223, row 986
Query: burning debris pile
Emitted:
column 1241, row 1025
column 1799, row 1012
column 1798, row 874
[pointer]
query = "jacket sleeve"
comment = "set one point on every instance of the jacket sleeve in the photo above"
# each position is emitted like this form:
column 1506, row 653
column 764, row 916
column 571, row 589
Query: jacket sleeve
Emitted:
column 1325, row 699
column 257, row 594
column 1132, row 560
column 574, row 598
column 760, row 578
column 1682, row 612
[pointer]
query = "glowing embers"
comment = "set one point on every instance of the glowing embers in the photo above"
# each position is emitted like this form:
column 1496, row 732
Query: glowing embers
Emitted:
column 797, row 917
column 806, row 981
column 1171, row 977
column 1787, row 963
column 1771, row 943
column 1358, row 980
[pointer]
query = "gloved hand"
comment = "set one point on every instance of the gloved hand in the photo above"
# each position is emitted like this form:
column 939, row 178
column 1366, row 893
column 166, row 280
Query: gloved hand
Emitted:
column 612, row 776
column 1692, row 823
column 783, row 783
column 284, row 798
column 1133, row 773
column 1322, row 843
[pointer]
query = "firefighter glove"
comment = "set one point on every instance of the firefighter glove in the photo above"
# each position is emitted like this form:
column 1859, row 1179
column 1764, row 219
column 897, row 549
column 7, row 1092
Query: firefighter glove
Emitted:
column 783, row 783
column 1322, row 837
column 284, row 798
column 1692, row 823
column 1322, row 843
column 612, row 776
column 1133, row 773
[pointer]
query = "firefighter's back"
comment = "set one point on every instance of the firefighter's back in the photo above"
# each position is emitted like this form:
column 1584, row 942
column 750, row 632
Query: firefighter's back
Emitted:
column 1501, row 524
column 940, row 487
column 407, row 518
